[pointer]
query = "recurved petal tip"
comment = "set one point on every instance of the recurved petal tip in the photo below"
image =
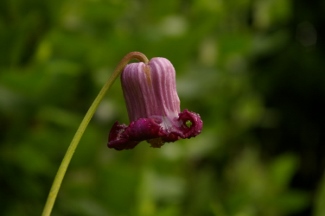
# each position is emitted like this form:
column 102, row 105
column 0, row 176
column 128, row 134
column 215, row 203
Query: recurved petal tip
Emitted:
column 117, row 138
column 191, row 124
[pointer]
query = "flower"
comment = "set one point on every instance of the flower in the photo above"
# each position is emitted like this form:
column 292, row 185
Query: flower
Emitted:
column 153, row 107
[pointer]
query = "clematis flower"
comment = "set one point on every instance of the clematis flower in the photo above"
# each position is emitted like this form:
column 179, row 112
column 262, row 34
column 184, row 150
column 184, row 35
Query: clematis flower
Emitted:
column 153, row 107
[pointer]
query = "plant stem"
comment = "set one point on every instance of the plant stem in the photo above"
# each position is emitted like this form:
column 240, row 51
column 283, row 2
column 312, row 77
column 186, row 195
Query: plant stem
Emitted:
column 82, row 127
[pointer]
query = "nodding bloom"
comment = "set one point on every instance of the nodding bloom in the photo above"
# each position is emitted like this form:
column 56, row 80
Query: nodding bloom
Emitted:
column 153, row 107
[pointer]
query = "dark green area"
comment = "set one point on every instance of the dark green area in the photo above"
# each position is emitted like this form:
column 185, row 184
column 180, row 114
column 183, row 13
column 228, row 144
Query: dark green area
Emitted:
column 254, row 70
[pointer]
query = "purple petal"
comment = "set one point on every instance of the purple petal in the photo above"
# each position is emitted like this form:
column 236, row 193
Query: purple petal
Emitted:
column 150, row 89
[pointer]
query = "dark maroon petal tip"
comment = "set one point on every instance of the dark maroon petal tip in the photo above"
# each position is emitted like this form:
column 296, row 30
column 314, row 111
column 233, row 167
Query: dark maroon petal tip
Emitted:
column 187, row 125
column 191, row 124
column 127, row 137
column 117, row 138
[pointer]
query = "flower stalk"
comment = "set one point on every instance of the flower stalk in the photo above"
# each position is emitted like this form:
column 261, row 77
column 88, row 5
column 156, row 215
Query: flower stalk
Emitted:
column 82, row 127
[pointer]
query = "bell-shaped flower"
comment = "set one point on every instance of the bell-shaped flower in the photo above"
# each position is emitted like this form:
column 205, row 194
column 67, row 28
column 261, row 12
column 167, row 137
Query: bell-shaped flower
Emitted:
column 153, row 107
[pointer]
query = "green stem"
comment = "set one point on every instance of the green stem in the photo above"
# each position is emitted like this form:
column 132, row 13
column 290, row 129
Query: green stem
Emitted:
column 82, row 127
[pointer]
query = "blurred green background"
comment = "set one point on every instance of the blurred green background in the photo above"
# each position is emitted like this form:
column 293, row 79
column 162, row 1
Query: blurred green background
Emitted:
column 253, row 69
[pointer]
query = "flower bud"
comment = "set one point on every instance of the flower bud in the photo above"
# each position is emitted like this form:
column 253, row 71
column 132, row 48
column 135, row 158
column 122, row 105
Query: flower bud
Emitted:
column 153, row 107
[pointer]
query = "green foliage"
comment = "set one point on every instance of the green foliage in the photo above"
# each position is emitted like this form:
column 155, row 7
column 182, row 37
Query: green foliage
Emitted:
column 54, row 58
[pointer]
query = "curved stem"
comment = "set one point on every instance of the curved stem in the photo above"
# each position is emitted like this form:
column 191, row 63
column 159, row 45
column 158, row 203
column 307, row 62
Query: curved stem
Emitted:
column 82, row 127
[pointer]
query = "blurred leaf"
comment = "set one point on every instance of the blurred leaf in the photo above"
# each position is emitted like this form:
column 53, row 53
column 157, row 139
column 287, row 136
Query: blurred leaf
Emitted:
column 320, row 199
column 283, row 169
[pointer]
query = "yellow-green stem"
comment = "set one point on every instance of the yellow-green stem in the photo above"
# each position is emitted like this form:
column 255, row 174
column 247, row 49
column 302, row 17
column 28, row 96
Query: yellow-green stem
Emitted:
column 82, row 127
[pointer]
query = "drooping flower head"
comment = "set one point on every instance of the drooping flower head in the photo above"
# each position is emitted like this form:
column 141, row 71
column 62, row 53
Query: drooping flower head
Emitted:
column 153, row 107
